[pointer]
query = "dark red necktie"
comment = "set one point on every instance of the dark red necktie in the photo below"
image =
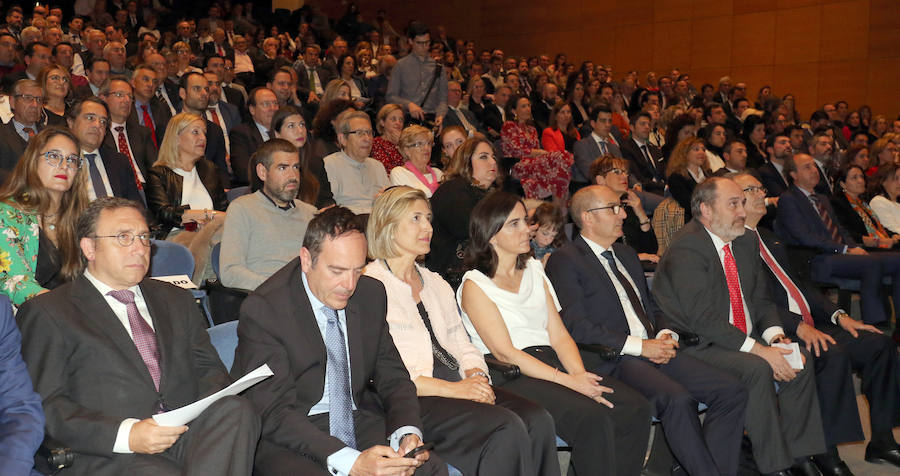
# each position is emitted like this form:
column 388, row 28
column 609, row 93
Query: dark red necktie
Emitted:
column 148, row 121
column 734, row 290
column 123, row 148
column 785, row 281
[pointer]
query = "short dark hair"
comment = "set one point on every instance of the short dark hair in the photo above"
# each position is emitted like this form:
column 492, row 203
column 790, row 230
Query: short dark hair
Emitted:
column 183, row 82
column 288, row 70
column 75, row 111
column 211, row 57
column 726, row 149
column 739, row 101
column 635, row 117
column 770, row 141
column 94, row 61
column 818, row 116
column 251, row 96
column 86, row 226
column 29, row 50
column 56, row 46
column 486, row 220
column 597, row 110
column 263, row 154
column 708, row 109
column 329, row 224
column 415, row 29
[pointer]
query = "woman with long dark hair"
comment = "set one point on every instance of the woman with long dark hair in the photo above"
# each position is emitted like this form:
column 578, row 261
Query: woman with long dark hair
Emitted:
column 288, row 123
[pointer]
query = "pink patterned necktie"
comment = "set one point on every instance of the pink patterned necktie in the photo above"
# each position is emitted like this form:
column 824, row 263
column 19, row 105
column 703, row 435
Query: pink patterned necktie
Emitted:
column 734, row 290
column 142, row 334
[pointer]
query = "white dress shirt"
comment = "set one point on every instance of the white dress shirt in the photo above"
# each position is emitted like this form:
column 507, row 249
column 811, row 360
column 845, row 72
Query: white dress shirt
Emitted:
column 98, row 161
column 115, row 137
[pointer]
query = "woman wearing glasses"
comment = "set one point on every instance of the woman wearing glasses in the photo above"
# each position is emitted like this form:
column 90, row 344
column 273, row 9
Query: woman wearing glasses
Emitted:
column 415, row 146
column 184, row 191
column 56, row 83
column 39, row 204
column 637, row 230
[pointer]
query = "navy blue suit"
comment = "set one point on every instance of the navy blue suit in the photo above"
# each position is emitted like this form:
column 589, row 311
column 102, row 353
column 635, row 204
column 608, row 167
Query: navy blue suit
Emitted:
column 21, row 416
column 594, row 314
column 799, row 224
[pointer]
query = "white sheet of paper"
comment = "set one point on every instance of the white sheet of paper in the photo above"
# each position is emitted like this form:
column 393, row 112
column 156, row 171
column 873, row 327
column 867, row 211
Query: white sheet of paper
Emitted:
column 187, row 413
column 794, row 358
column 180, row 280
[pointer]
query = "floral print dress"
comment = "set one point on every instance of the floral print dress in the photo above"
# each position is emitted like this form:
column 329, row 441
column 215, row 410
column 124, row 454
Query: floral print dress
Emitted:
column 18, row 253
column 541, row 176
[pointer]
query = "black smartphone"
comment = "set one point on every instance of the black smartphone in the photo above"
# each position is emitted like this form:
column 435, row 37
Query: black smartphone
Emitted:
column 419, row 449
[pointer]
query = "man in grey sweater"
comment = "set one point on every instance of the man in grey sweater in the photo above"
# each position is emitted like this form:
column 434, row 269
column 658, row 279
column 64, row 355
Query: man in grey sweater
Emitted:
column 264, row 230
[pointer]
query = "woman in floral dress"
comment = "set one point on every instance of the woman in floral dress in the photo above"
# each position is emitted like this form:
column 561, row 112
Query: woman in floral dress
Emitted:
column 543, row 174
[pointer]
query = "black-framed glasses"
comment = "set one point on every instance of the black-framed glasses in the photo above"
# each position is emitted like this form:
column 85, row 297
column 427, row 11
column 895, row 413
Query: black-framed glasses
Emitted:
column 755, row 188
column 126, row 238
column 615, row 208
column 361, row 132
column 55, row 159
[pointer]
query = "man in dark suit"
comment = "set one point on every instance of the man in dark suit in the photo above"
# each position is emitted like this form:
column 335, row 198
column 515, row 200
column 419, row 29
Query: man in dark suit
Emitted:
column 97, row 72
column 127, row 137
column 26, row 101
column 821, row 147
column 112, row 348
column 494, row 114
column 37, row 56
column 247, row 137
column 648, row 167
column 166, row 89
column 194, row 93
column 149, row 110
column 311, row 78
column 806, row 219
column 841, row 343
column 219, row 46
column 230, row 94
column 21, row 416
column 186, row 34
column 540, row 110
column 460, row 117
column 594, row 146
column 223, row 114
column 772, row 173
column 605, row 300
column 710, row 283
column 109, row 172
column 306, row 322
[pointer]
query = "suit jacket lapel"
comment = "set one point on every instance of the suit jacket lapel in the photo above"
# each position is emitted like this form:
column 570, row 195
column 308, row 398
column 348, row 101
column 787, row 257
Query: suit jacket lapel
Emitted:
column 354, row 340
column 94, row 308
column 595, row 265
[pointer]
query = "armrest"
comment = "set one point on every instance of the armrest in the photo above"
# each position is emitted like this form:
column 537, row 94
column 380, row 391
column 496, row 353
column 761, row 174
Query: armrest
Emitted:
column 604, row 352
column 508, row 371
column 687, row 339
column 52, row 456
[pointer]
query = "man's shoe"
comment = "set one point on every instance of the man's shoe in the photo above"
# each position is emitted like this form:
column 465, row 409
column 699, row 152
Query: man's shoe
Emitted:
column 805, row 468
column 831, row 466
column 890, row 456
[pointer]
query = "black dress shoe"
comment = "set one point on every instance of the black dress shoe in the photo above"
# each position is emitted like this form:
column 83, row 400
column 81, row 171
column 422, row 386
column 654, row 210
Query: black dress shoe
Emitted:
column 839, row 469
column 783, row 472
column 805, row 468
column 890, row 456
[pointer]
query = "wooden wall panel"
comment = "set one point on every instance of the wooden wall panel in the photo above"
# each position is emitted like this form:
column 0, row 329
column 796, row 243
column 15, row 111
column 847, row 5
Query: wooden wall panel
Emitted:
column 820, row 50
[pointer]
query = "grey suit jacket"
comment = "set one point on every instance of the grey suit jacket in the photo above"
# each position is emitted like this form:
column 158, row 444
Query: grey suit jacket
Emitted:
column 691, row 289
column 586, row 152
column 89, row 372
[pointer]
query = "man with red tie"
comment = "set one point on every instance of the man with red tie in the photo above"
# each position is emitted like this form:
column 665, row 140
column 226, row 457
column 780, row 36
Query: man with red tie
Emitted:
column 711, row 283
column 131, row 139
column 841, row 345
column 149, row 110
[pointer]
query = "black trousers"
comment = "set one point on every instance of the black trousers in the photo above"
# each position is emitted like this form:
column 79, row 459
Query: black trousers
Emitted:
column 869, row 270
column 222, row 440
column 674, row 390
column 482, row 439
column 603, row 440
column 273, row 460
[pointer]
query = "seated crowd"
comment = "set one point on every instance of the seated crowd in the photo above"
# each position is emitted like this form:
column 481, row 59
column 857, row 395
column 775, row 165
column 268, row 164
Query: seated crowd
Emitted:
column 443, row 255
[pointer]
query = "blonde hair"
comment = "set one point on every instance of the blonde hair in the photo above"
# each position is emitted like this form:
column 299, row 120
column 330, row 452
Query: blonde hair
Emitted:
column 168, row 150
column 387, row 210
column 382, row 115
column 408, row 137
column 333, row 89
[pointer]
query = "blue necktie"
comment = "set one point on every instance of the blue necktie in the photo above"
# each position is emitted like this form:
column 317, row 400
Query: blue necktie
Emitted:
column 603, row 148
column 96, row 179
column 340, row 413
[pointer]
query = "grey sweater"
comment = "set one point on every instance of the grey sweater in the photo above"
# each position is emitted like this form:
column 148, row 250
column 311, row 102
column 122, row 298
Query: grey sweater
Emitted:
column 259, row 238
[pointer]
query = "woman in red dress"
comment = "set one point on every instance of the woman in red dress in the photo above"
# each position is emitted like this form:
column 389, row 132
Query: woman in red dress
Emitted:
column 389, row 124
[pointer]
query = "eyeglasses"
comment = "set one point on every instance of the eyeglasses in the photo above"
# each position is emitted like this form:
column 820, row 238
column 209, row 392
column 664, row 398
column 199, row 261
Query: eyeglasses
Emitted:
column 55, row 159
column 30, row 98
column 120, row 95
column 617, row 171
column 421, row 144
column 126, row 238
column 615, row 208
column 361, row 132
column 754, row 189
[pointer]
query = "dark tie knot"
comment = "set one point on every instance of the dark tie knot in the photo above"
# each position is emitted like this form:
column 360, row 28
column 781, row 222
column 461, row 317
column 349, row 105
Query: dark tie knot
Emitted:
column 124, row 296
column 609, row 257
column 90, row 157
column 119, row 128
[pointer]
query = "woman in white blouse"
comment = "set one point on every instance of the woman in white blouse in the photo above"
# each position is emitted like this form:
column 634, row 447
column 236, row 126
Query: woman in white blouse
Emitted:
column 885, row 190
column 478, row 429
column 415, row 146
column 511, row 311
column 184, row 191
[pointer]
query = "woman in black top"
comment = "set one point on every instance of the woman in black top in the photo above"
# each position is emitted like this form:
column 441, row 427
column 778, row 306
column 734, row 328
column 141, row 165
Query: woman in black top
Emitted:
column 637, row 231
column 854, row 214
column 754, row 135
column 688, row 166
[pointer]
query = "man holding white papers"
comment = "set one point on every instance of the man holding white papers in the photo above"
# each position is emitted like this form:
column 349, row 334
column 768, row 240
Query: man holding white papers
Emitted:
column 111, row 349
column 710, row 283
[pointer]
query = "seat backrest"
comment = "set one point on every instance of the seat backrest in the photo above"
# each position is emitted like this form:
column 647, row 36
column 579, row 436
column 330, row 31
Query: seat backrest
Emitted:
column 224, row 338
column 214, row 259
column 237, row 192
column 168, row 258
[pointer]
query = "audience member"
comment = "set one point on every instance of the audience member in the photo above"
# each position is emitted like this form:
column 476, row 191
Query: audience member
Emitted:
column 355, row 177
column 482, row 429
column 697, row 285
column 416, row 82
column 97, row 74
column 646, row 159
column 687, row 167
column 510, row 311
column 637, row 232
column 389, row 124
column 560, row 134
column 772, row 173
column 264, row 230
column 27, row 99
column 100, row 391
column 315, row 407
column 450, row 139
column 594, row 273
column 288, row 124
column 547, row 234
column 415, row 146
column 125, row 135
column 56, row 84
column 854, row 214
column 754, row 135
column 885, row 190
column 193, row 89
column 247, row 137
column 458, row 115
column 820, row 148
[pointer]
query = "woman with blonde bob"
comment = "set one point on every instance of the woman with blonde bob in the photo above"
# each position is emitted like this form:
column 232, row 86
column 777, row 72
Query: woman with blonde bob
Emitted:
column 481, row 428
column 40, row 202
column 184, row 191
column 415, row 146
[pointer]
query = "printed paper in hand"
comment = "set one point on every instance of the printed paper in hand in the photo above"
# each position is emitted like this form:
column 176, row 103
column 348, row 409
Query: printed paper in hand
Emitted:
column 794, row 358
column 186, row 414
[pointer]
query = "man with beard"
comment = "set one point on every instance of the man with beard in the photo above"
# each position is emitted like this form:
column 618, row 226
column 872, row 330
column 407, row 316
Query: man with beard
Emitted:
column 194, row 93
column 711, row 283
column 264, row 230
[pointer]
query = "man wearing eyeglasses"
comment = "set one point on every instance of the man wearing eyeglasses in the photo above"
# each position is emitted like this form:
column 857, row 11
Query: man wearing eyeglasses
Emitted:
column 112, row 348
column 416, row 82
column 109, row 172
column 126, row 135
column 355, row 177
column 605, row 300
column 27, row 101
